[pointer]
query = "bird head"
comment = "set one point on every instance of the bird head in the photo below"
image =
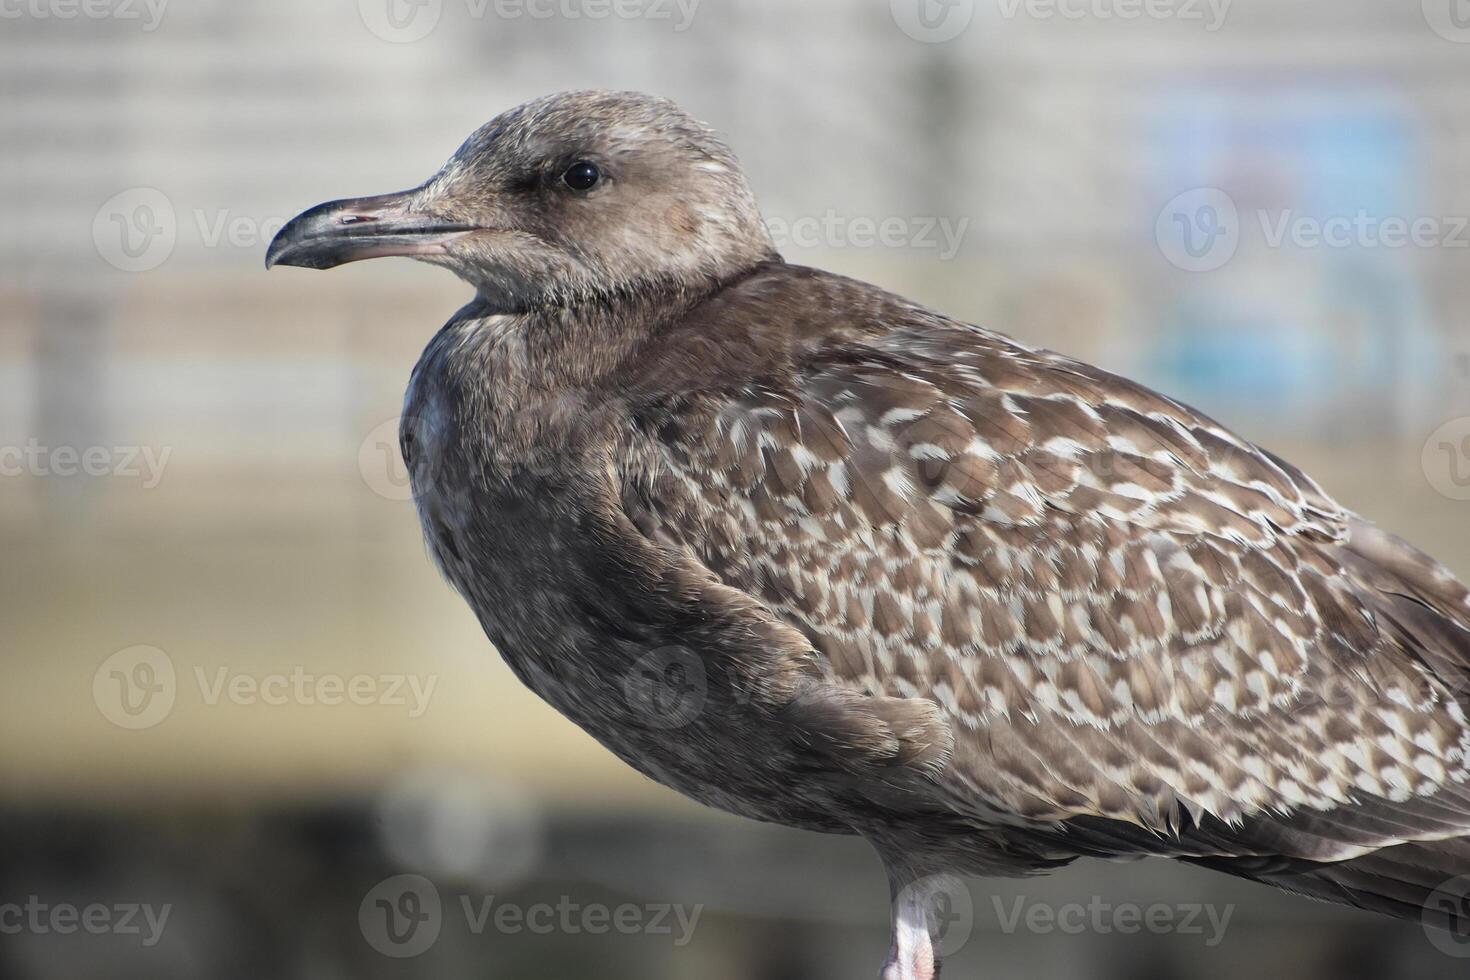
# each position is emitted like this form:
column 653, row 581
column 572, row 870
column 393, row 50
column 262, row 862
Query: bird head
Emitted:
column 568, row 197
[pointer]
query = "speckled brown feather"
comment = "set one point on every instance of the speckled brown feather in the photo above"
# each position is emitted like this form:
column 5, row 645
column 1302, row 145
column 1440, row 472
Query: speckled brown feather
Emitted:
column 1122, row 609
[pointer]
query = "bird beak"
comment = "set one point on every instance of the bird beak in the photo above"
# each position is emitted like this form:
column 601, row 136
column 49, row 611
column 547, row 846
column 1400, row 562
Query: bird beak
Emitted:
column 338, row 232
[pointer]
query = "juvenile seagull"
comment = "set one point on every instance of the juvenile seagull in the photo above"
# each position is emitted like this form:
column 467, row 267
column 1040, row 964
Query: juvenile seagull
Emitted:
column 986, row 606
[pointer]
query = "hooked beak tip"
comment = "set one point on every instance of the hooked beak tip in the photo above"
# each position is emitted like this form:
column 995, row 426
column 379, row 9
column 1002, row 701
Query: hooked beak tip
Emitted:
column 339, row 232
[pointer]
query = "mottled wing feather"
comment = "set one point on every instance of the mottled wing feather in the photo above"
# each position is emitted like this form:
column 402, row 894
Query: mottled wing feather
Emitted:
column 1123, row 610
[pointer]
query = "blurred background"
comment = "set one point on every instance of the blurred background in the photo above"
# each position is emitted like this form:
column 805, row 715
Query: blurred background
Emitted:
column 246, row 731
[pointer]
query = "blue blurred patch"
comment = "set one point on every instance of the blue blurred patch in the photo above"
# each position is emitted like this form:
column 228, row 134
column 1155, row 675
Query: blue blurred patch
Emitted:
column 1341, row 326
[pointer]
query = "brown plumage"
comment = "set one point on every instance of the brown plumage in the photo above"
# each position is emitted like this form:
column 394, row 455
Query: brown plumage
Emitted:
column 987, row 606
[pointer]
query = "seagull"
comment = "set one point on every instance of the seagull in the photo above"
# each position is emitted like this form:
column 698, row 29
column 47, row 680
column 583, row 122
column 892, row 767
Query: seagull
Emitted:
column 809, row 552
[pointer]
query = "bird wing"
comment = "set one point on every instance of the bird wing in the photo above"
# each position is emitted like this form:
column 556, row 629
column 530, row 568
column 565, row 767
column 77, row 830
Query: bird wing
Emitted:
column 1137, row 625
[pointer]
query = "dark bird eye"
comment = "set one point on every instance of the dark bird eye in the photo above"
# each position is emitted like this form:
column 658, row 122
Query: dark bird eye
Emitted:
column 581, row 176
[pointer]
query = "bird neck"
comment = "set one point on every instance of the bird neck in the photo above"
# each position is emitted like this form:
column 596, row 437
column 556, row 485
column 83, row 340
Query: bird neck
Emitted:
column 574, row 341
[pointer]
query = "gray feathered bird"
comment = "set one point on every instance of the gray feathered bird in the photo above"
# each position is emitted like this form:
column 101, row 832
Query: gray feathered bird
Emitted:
column 986, row 606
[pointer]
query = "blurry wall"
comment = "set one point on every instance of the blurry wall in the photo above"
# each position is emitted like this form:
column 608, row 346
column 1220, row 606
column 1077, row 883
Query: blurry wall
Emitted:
column 1257, row 207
